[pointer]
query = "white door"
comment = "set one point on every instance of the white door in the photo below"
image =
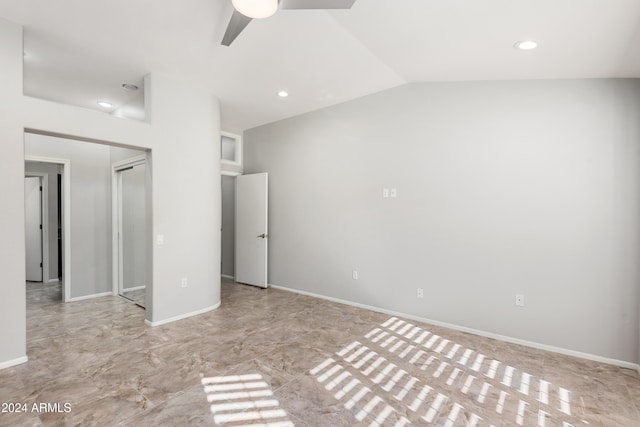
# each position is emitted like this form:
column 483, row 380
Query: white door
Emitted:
column 251, row 229
column 33, row 228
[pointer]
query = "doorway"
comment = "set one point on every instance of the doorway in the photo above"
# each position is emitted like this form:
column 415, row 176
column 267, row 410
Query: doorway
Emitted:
column 228, row 247
column 244, row 231
column 53, row 229
column 129, row 200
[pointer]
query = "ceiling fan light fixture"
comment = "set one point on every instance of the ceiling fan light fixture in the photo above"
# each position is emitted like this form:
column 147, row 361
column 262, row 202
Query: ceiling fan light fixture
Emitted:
column 256, row 9
column 526, row 45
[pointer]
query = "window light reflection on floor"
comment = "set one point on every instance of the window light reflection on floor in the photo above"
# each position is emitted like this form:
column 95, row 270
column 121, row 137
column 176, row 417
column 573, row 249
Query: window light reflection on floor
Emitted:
column 245, row 399
column 401, row 365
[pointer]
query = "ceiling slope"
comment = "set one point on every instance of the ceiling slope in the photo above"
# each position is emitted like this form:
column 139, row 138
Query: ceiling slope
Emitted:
column 81, row 51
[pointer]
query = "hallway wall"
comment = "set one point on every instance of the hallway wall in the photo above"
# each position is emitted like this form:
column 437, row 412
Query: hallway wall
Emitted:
column 182, row 130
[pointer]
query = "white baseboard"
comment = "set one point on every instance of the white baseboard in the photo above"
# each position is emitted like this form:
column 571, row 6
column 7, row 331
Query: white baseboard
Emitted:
column 228, row 277
column 14, row 362
column 135, row 288
column 182, row 316
column 103, row 294
column 498, row 337
column 53, row 280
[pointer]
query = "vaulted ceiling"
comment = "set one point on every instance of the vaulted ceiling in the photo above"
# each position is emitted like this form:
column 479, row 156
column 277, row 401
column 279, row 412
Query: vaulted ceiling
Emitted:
column 81, row 51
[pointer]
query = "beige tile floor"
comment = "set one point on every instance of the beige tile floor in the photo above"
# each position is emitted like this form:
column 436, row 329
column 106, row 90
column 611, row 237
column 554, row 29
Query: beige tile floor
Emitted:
column 273, row 358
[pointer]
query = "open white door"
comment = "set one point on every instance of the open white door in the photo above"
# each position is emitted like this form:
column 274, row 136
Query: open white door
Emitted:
column 251, row 229
column 33, row 228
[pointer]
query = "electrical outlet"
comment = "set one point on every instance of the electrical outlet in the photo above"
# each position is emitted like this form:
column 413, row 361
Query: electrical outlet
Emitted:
column 385, row 193
column 520, row 300
column 419, row 293
column 184, row 283
column 354, row 274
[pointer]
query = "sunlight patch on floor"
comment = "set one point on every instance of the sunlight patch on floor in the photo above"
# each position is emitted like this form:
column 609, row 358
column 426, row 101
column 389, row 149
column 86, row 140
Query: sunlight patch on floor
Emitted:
column 399, row 363
column 244, row 400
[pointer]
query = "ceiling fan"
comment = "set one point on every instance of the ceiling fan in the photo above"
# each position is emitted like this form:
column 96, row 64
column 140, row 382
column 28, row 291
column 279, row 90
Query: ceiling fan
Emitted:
column 246, row 10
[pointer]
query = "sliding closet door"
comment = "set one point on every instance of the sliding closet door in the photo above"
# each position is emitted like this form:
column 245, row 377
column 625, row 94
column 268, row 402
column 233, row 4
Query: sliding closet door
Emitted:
column 133, row 233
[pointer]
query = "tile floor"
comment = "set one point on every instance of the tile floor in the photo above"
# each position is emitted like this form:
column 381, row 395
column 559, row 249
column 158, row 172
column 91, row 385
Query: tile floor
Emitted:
column 273, row 358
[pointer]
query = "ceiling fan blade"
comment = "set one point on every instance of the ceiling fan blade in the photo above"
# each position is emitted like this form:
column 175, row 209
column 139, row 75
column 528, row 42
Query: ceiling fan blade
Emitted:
column 237, row 23
column 316, row 4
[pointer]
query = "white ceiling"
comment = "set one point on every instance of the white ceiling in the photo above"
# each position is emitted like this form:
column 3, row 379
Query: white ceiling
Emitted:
column 79, row 51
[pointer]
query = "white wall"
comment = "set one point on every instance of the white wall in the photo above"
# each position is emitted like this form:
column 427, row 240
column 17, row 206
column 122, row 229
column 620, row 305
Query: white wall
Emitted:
column 183, row 136
column 12, row 245
column 186, row 198
column 504, row 188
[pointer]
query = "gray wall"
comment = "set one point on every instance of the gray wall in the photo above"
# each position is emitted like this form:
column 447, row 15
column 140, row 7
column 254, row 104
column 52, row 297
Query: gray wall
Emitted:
column 52, row 170
column 228, row 225
column 504, row 188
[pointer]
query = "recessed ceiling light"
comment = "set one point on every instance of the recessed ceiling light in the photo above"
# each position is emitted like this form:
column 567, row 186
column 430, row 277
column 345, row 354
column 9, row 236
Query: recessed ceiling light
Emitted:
column 283, row 94
column 104, row 104
column 526, row 45
column 129, row 86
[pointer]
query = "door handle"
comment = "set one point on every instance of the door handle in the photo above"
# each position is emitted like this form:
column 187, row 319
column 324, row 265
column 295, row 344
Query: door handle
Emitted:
column 263, row 235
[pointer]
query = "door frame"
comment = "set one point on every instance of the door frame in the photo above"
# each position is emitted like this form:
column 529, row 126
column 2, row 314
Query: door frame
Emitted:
column 44, row 219
column 66, row 219
column 116, row 214
column 233, row 175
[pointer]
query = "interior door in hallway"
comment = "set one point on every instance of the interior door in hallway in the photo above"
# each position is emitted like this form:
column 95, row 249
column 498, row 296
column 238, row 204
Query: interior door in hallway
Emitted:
column 33, row 228
column 251, row 229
